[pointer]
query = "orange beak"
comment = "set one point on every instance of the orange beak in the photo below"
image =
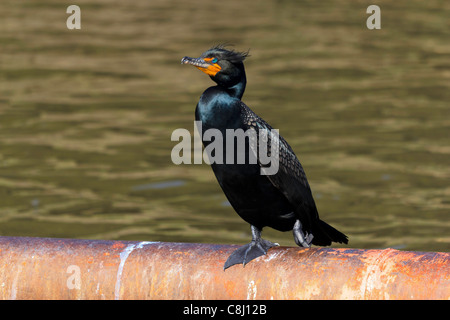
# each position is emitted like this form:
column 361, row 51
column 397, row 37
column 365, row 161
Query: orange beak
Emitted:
column 204, row 65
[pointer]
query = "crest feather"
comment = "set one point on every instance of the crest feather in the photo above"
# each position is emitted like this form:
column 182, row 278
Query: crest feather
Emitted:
column 221, row 51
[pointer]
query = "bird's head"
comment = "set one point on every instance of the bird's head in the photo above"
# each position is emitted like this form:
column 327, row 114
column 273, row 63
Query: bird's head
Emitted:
column 224, row 66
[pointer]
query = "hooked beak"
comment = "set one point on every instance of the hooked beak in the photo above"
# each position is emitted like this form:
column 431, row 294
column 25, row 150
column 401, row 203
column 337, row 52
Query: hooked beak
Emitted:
column 204, row 65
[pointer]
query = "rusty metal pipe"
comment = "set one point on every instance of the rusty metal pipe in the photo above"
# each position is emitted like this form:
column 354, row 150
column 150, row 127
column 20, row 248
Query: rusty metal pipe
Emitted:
column 42, row 268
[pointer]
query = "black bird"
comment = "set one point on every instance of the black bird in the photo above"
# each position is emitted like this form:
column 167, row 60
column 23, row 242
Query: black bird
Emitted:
column 283, row 200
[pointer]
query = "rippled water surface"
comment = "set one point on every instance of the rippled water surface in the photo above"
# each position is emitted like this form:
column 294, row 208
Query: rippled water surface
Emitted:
column 86, row 117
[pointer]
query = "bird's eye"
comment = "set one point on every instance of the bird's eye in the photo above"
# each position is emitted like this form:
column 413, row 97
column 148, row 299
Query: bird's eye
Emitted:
column 214, row 60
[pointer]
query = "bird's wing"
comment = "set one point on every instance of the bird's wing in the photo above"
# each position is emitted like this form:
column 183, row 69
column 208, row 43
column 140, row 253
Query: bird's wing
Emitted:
column 290, row 178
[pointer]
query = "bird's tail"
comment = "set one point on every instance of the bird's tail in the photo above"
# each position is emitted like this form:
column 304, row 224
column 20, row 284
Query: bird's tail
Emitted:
column 324, row 234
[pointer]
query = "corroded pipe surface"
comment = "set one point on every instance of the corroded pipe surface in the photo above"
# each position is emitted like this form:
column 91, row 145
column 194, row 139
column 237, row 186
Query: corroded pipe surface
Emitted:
column 41, row 268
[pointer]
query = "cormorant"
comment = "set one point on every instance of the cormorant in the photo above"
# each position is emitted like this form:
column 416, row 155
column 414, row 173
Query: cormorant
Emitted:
column 283, row 200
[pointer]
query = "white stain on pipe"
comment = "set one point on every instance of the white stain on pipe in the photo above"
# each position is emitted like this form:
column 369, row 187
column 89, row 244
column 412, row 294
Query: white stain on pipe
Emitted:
column 251, row 290
column 14, row 284
column 123, row 258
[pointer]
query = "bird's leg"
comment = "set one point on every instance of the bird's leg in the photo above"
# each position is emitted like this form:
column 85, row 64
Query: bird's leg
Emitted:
column 254, row 249
column 300, row 238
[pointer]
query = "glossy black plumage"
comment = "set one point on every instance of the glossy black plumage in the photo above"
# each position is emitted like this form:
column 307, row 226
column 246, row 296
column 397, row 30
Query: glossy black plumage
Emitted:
column 282, row 201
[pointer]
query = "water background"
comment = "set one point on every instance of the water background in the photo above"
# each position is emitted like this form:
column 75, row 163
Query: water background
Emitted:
column 86, row 116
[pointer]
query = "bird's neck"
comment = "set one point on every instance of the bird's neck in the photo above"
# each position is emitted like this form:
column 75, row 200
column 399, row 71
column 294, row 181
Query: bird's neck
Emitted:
column 237, row 91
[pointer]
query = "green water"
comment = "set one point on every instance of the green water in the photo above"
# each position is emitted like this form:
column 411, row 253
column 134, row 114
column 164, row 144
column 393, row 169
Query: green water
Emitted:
column 86, row 117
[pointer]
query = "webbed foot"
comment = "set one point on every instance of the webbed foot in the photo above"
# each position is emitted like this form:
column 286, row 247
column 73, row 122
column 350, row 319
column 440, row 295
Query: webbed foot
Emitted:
column 248, row 252
column 301, row 239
